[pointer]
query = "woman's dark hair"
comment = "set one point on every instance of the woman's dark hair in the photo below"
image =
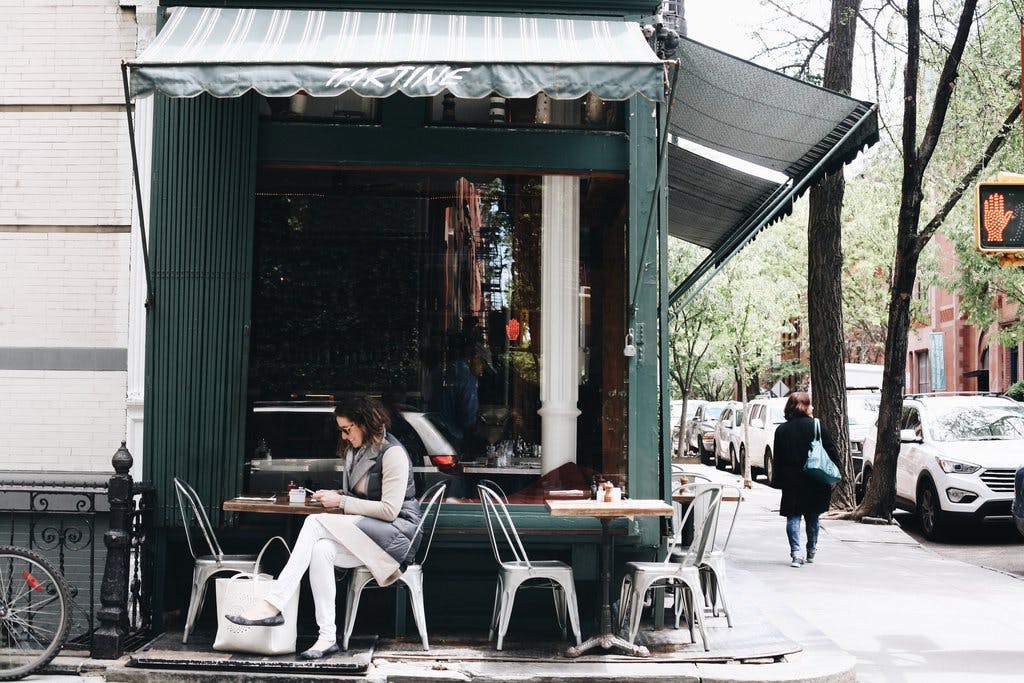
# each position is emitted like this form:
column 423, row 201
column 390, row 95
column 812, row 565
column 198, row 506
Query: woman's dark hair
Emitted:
column 367, row 413
column 798, row 405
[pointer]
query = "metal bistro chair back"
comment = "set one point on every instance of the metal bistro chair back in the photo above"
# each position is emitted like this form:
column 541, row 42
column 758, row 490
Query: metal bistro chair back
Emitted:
column 412, row 577
column 514, row 573
column 677, row 509
column 206, row 565
column 712, row 566
column 704, row 509
column 683, row 574
column 494, row 487
column 496, row 515
column 193, row 511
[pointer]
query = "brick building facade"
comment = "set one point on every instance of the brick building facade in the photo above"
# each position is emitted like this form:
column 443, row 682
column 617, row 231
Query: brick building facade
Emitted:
column 971, row 359
column 66, row 242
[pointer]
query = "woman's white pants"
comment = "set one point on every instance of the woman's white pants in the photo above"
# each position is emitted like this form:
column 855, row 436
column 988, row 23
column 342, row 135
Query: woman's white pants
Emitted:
column 319, row 551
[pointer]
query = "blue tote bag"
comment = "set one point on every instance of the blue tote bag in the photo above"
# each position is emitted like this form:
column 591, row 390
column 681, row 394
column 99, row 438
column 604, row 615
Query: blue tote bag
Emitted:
column 819, row 466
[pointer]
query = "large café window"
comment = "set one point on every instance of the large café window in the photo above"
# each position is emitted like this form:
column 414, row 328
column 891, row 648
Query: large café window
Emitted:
column 427, row 289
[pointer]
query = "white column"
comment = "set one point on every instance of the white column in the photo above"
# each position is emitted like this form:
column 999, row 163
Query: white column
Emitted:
column 145, row 16
column 560, row 314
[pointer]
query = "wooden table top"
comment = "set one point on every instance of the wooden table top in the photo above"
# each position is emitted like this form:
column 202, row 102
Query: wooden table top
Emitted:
column 279, row 505
column 631, row 507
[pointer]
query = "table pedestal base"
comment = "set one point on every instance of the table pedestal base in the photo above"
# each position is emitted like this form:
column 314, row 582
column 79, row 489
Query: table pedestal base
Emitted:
column 608, row 642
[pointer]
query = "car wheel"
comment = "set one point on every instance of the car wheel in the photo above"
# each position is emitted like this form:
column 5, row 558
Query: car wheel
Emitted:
column 929, row 512
column 705, row 456
column 719, row 460
column 862, row 487
column 736, row 462
column 769, row 468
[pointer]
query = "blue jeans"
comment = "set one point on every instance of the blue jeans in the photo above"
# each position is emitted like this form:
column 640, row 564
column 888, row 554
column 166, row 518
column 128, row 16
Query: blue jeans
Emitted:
column 793, row 532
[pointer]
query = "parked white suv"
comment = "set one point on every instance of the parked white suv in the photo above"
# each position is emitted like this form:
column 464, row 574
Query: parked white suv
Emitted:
column 765, row 416
column 958, row 456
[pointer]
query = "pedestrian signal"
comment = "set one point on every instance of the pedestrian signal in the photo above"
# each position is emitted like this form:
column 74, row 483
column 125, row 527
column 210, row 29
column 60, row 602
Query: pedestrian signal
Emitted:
column 999, row 215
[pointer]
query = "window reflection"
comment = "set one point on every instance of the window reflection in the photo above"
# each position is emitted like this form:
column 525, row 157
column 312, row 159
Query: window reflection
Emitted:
column 425, row 289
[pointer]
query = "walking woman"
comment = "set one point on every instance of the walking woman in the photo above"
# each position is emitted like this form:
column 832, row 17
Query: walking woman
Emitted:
column 802, row 496
column 378, row 520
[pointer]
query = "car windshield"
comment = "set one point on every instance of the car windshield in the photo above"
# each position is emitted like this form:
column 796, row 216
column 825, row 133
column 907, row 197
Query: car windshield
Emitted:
column 713, row 412
column 862, row 410
column 977, row 423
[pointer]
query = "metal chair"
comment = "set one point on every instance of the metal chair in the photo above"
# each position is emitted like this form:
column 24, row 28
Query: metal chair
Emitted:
column 206, row 565
column 678, row 471
column 412, row 577
column 492, row 485
column 512, row 574
column 712, row 569
column 683, row 575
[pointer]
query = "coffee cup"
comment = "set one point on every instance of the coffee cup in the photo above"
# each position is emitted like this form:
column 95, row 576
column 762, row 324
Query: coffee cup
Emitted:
column 297, row 496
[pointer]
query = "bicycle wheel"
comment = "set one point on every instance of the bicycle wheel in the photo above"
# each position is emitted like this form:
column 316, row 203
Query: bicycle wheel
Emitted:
column 34, row 612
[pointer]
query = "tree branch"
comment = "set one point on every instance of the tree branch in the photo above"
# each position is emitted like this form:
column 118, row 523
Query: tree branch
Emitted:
column 958, row 191
column 944, row 88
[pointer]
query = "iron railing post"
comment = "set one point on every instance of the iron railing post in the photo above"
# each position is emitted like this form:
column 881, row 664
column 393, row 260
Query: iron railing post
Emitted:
column 108, row 641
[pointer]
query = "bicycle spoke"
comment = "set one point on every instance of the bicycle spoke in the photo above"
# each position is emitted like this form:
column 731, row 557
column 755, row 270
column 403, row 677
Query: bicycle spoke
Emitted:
column 31, row 607
column 32, row 629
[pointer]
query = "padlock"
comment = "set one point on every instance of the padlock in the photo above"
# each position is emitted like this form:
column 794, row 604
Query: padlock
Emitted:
column 630, row 349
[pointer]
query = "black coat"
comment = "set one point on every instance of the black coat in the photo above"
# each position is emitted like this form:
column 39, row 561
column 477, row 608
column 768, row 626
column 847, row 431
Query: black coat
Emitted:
column 801, row 495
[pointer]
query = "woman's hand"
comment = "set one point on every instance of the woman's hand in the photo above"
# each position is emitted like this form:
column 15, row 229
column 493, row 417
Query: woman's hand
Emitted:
column 328, row 498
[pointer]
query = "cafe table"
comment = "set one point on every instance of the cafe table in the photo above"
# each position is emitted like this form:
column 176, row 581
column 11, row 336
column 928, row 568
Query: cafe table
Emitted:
column 606, row 639
column 276, row 505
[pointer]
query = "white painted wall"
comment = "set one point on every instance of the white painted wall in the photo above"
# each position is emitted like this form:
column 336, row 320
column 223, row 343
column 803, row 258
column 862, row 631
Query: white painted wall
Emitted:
column 65, row 219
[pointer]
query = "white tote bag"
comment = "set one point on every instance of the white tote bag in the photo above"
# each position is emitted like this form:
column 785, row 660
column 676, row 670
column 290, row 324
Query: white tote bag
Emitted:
column 234, row 596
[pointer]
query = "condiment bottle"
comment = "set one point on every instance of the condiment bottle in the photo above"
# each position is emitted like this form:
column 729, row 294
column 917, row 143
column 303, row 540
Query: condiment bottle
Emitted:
column 292, row 485
column 608, row 496
column 593, row 488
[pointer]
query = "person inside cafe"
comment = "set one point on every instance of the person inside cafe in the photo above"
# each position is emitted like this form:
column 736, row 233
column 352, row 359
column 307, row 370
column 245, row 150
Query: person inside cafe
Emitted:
column 376, row 526
column 455, row 392
column 802, row 496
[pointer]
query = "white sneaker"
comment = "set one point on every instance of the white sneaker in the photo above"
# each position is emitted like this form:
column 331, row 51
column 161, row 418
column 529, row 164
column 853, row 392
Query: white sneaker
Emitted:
column 797, row 562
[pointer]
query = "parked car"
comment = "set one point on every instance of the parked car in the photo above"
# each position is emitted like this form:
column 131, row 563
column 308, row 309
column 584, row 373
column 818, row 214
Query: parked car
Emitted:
column 298, row 441
column 765, row 415
column 700, row 430
column 729, row 448
column 862, row 412
column 957, row 461
column 1018, row 500
column 676, row 413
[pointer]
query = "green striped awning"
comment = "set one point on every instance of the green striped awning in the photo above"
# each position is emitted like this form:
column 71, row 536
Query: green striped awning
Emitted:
column 227, row 52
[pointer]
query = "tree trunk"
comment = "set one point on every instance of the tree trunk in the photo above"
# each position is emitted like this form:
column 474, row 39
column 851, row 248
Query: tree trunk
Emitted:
column 880, row 497
column 825, row 267
column 681, row 435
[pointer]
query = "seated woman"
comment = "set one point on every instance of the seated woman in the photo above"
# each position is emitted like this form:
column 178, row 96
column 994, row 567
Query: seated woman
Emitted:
column 379, row 517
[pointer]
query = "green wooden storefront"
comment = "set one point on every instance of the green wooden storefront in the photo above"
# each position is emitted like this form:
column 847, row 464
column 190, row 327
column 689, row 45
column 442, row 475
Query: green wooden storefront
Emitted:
column 206, row 152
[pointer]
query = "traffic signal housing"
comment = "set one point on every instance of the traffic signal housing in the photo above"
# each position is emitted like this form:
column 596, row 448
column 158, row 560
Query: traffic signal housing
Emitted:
column 999, row 215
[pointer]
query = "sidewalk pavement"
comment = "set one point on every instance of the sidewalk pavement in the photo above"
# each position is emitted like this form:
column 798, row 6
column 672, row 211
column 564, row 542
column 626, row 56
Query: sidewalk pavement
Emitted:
column 875, row 606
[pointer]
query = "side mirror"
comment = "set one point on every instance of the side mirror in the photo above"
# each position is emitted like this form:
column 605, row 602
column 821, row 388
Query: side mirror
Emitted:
column 757, row 423
column 910, row 436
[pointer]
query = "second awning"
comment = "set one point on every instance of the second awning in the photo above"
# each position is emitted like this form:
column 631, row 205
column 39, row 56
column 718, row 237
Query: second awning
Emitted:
column 227, row 52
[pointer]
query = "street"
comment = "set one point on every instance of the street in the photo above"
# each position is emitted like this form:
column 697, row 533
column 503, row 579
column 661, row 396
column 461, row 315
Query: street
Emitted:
column 992, row 546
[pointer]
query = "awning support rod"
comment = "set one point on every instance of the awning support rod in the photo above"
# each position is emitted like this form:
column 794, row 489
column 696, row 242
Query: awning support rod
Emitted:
column 662, row 151
column 138, row 184
column 721, row 256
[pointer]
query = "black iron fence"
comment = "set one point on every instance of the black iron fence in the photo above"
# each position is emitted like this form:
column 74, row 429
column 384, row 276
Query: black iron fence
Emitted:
column 64, row 518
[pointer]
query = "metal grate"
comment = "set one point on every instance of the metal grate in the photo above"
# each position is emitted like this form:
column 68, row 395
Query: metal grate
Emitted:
column 65, row 523
column 1000, row 481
